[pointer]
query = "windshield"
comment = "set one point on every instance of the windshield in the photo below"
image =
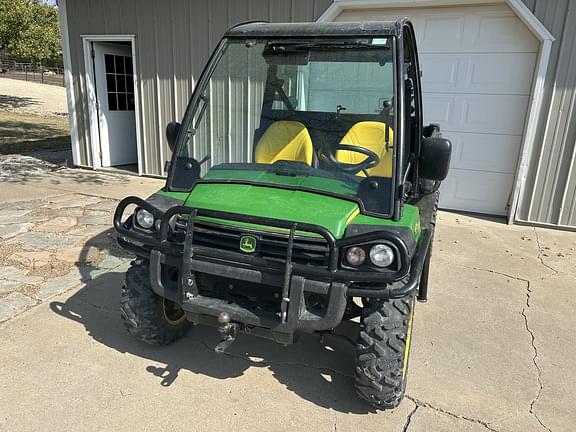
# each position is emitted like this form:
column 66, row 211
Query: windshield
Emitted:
column 312, row 114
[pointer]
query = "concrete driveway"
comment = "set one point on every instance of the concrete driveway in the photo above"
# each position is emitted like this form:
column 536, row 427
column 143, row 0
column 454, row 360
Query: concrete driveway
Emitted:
column 493, row 349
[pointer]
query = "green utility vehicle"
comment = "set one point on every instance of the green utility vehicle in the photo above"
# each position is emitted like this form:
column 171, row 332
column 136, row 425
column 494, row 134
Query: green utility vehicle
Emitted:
column 301, row 193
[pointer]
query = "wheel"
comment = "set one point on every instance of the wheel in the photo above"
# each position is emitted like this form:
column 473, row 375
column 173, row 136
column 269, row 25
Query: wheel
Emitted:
column 382, row 351
column 147, row 316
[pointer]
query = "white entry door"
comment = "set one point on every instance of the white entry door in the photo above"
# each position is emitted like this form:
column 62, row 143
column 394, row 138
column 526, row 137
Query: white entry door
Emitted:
column 477, row 66
column 115, row 95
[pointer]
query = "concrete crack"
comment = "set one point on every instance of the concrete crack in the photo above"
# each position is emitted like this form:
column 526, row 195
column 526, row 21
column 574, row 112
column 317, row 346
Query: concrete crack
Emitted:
column 335, row 425
column 539, row 371
column 424, row 404
column 527, row 326
column 541, row 253
column 409, row 418
column 526, row 281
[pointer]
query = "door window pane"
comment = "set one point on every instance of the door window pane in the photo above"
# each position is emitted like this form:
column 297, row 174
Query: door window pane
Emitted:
column 119, row 82
column 130, row 102
column 128, row 62
column 129, row 84
column 109, row 62
column 110, row 82
column 112, row 102
column 119, row 61
column 122, row 102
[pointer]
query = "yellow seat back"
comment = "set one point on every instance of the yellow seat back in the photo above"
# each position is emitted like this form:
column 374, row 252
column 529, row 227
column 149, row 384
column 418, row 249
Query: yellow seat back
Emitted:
column 285, row 140
column 372, row 136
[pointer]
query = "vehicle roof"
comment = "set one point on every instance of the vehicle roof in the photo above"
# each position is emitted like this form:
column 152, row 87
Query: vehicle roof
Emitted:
column 311, row 29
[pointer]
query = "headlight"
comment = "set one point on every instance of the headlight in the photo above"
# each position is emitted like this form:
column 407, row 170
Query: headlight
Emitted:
column 381, row 255
column 144, row 218
column 355, row 256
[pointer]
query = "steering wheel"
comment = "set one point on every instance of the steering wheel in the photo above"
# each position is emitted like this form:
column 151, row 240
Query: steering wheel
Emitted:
column 372, row 159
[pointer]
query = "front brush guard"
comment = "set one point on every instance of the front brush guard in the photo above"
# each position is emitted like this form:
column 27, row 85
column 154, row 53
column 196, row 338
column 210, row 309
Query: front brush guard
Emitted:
column 298, row 277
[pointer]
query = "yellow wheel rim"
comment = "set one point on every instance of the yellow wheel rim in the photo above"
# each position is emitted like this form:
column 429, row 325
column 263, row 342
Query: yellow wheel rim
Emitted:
column 408, row 340
column 173, row 314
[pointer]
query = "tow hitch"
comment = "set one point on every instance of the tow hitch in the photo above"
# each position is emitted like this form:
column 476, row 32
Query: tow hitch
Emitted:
column 228, row 330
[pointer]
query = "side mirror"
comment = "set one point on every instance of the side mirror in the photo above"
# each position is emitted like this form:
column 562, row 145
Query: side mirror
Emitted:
column 172, row 130
column 434, row 158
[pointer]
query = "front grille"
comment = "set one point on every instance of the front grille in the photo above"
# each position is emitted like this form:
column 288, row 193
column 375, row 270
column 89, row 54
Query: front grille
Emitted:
column 312, row 251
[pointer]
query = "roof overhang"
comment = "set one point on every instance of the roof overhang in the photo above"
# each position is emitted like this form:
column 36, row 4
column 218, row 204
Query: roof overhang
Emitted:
column 321, row 29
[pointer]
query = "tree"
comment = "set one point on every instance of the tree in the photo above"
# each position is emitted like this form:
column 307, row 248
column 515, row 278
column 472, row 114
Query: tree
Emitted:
column 30, row 29
column 14, row 16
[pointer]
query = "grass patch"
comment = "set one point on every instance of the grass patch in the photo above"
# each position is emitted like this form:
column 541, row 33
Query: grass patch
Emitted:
column 20, row 133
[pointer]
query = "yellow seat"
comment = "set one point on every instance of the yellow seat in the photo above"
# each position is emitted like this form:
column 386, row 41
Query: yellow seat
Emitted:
column 285, row 140
column 372, row 136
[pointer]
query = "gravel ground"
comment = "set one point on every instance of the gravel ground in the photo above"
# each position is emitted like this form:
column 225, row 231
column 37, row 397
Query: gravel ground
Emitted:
column 32, row 98
column 18, row 167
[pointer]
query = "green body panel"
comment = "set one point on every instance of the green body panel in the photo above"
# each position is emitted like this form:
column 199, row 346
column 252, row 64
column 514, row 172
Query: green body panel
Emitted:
column 329, row 212
column 182, row 196
column 410, row 219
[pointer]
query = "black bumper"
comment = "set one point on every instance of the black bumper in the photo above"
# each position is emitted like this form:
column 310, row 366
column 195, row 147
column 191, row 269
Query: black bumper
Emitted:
column 295, row 279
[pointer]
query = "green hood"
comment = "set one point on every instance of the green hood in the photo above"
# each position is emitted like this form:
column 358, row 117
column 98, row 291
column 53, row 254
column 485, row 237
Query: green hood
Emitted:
column 264, row 200
column 298, row 206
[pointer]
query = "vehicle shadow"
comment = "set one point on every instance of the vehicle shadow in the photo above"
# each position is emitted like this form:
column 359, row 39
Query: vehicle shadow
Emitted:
column 317, row 369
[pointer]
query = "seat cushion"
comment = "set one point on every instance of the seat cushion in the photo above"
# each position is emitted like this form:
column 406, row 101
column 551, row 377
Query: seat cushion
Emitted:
column 372, row 136
column 285, row 140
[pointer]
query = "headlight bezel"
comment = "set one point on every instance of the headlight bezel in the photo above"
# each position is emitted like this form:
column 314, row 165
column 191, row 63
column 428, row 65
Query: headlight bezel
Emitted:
column 368, row 265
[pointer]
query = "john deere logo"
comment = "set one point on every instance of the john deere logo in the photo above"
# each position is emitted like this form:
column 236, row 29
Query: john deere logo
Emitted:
column 248, row 244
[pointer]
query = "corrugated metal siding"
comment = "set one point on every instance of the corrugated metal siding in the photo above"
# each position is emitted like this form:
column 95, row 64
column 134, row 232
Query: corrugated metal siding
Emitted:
column 174, row 39
column 550, row 193
column 77, row 60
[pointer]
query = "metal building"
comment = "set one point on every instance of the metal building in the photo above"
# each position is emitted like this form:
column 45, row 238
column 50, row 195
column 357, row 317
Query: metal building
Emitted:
column 498, row 75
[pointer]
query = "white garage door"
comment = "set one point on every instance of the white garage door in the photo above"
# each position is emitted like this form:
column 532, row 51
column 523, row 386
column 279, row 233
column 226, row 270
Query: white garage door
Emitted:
column 477, row 63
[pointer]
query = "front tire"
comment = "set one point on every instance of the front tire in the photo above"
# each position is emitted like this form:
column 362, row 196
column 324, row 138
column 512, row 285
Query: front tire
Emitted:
column 382, row 351
column 147, row 316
